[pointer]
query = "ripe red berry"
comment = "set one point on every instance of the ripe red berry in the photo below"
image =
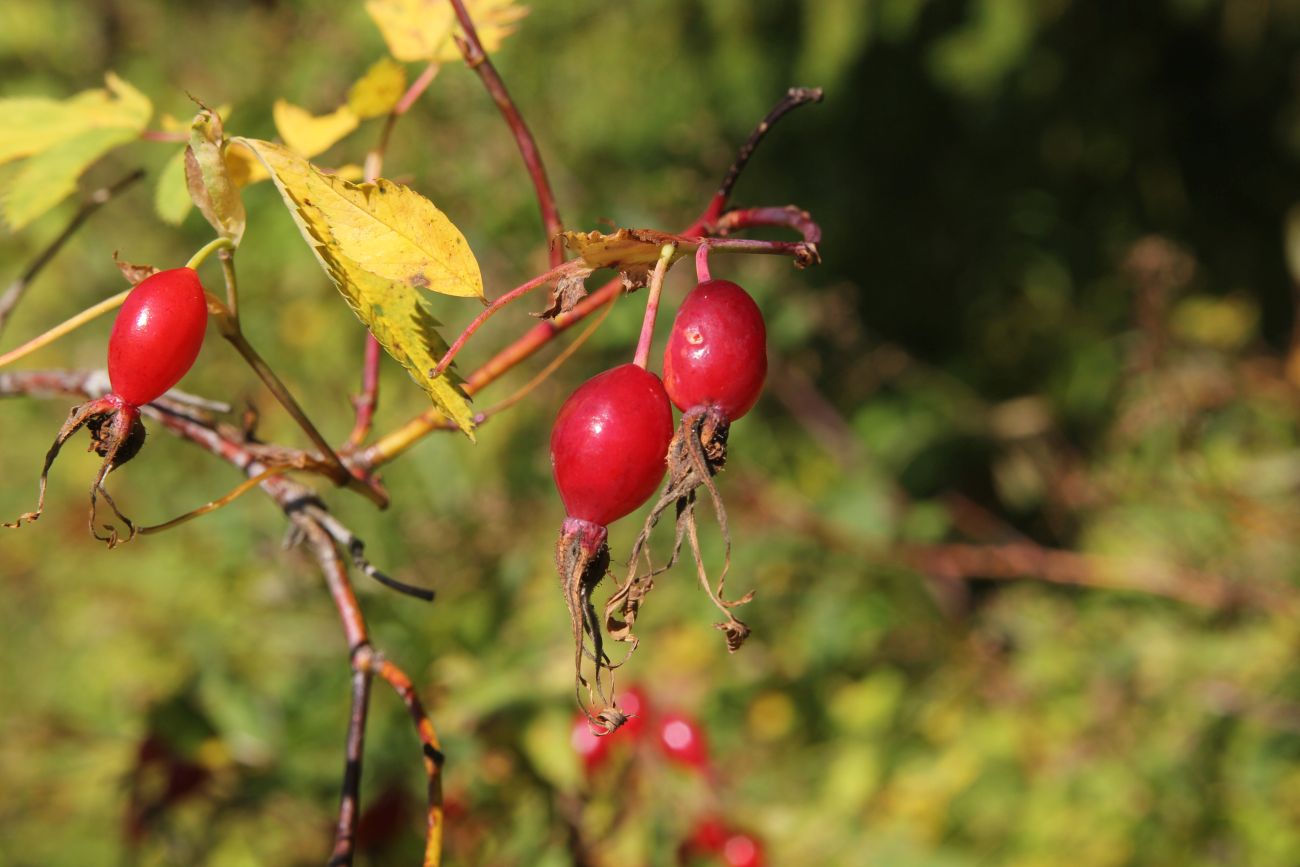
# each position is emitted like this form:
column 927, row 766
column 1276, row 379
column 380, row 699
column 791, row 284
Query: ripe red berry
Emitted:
column 157, row 335
column 682, row 741
column 742, row 850
column 609, row 443
column 717, row 351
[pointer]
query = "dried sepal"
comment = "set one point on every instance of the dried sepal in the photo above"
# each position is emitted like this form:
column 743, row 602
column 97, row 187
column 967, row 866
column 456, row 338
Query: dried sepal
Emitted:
column 697, row 452
column 116, row 435
column 568, row 291
column 582, row 560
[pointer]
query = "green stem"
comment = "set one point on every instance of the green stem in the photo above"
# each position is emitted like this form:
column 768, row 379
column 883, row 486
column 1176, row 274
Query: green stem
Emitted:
column 207, row 250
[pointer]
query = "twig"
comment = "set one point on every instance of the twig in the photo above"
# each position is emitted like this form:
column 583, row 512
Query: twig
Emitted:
column 794, row 97
column 96, row 200
column 67, row 326
column 476, row 59
column 345, row 833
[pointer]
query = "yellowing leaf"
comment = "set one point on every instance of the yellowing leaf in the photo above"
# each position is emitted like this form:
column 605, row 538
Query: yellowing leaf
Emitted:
column 422, row 29
column 633, row 252
column 243, row 166
column 382, row 244
column 30, row 125
column 171, row 197
column 386, row 228
column 208, row 179
column 376, row 92
column 307, row 133
column 60, row 139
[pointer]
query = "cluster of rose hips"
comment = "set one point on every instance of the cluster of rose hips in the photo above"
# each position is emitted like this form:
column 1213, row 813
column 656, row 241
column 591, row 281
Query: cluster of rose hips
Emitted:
column 681, row 741
column 610, row 443
column 155, row 340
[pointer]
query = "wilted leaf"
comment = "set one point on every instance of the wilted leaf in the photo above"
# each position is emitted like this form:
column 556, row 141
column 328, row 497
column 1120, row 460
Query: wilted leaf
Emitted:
column 310, row 134
column 172, row 197
column 381, row 244
column 568, row 291
column 633, row 252
column 376, row 92
column 209, row 181
column 132, row 272
column 422, row 29
column 30, row 125
column 61, row 139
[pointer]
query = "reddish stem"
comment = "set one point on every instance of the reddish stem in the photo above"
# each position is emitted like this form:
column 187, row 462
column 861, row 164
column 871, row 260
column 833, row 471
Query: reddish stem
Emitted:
column 491, row 310
column 794, row 97
column 642, row 356
column 702, row 274
column 788, row 217
column 476, row 58
column 368, row 401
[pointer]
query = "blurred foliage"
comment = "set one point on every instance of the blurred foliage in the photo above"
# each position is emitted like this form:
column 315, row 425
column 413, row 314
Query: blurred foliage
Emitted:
column 1055, row 309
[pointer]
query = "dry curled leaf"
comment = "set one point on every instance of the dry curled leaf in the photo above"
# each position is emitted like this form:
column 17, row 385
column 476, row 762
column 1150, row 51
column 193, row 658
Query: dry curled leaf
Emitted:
column 568, row 291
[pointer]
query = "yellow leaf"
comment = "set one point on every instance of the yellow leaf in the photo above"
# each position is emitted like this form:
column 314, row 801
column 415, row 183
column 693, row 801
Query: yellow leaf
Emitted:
column 208, row 179
column 633, row 252
column 386, row 228
column 382, row 244
column 171, row 197
column 243, row 166
column 309, row 134
column 422, row 29
column 376, row 92
column 30, row 125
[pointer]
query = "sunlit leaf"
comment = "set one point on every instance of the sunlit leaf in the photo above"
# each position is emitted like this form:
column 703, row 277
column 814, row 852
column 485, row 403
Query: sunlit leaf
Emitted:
column 172, row 197
column 60, row 140
column 381, row 244
column 209, row 181
column 376, row 92
column 311, row 134
column 30, row 125
column 422, row 29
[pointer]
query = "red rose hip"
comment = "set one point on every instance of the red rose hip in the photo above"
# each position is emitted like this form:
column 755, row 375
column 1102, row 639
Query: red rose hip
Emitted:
column 609, row 443
column 717, row 351
column 157, row 335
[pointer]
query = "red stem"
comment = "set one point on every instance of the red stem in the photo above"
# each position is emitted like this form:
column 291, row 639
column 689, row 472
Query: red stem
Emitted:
column 702, row 274
column 476, row 58
column 491, row 310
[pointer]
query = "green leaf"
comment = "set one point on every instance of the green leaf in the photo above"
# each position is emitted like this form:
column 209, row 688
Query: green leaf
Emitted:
column 60, row 140
column 51, row 176
column 30, row 125
column 171, row 197
column 208, row 179
column 381, row 244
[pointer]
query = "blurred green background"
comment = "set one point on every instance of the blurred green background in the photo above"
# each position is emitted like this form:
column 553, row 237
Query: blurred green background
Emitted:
column 1055, row 316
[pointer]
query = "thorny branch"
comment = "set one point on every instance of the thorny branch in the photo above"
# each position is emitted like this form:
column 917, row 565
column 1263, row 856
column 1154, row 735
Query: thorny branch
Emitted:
column 307, row 514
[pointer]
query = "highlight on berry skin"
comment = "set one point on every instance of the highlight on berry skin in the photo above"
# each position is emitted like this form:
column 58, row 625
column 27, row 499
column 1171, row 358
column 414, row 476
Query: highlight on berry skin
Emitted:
column 155, row 339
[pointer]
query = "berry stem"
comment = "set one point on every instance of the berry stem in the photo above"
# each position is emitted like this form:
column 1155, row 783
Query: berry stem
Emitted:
column 794, row 97
column 562, row 270
column 87, row 315
column 476, row 59
column 642, row 356
column 14, row 293
column 201, row 255
column 702, row 274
